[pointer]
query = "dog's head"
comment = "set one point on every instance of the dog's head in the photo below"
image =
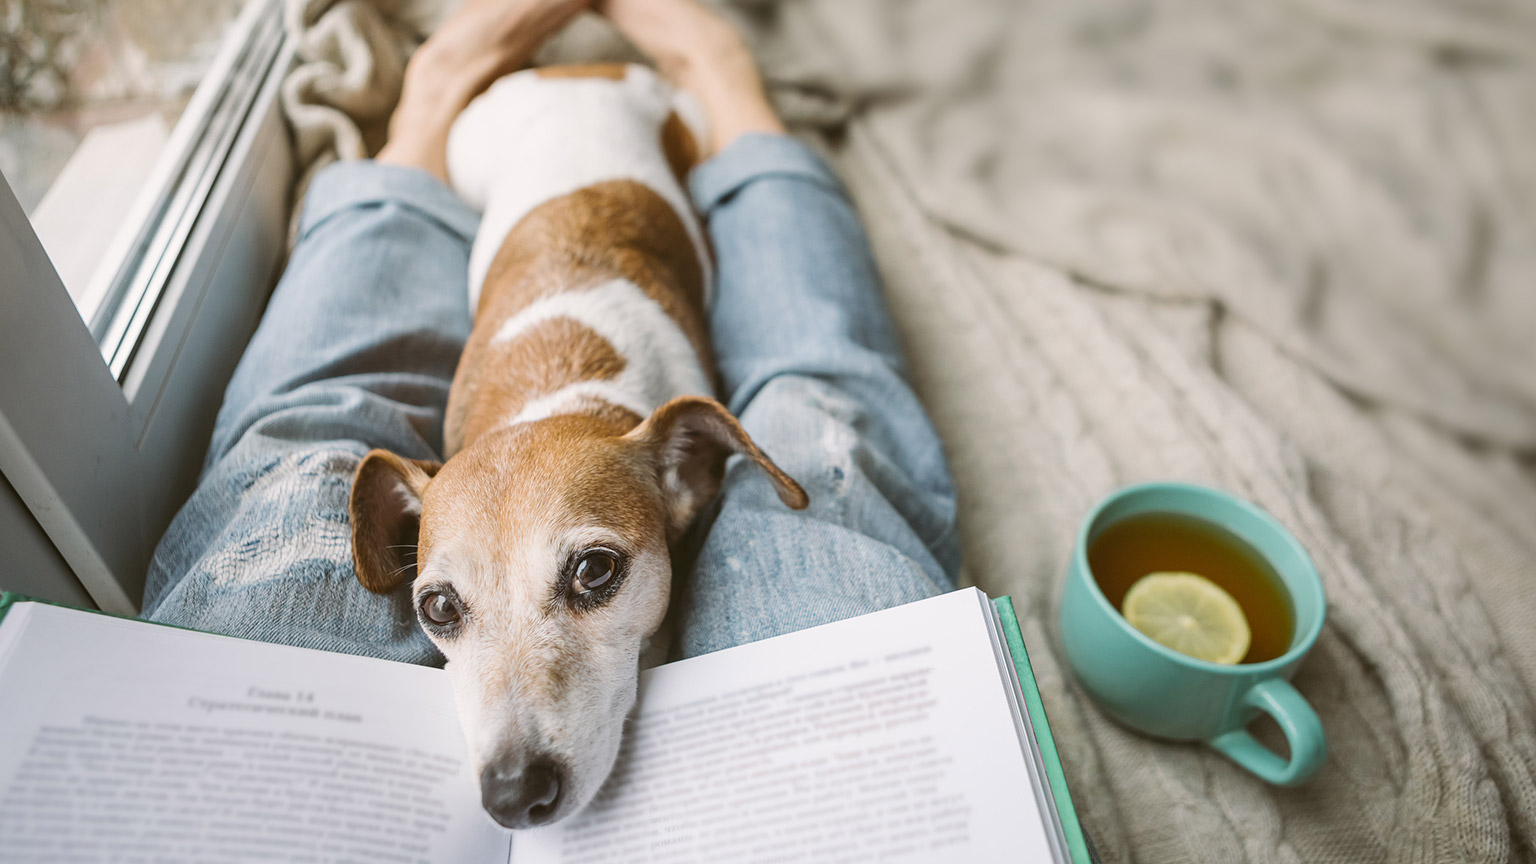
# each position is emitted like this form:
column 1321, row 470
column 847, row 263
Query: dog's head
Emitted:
column 540, row 562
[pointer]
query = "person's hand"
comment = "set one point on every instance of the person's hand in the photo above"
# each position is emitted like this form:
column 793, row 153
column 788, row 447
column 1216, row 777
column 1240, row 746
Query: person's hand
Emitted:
column 703, row 54
column 480, row 42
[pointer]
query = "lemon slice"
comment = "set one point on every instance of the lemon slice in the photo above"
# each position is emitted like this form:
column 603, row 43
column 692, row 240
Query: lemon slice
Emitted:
column 1190, row 614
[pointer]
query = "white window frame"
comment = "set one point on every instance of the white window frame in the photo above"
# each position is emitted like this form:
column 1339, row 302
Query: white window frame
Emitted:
column 102, row 441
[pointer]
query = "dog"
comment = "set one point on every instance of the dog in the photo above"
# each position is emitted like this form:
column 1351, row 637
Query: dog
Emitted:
column 581, row 438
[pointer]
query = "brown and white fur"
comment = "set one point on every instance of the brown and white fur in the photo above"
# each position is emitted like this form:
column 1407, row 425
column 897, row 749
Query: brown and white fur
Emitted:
column 580, row 435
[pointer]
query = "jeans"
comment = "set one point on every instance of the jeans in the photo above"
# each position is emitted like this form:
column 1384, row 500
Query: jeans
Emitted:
column 358, row 347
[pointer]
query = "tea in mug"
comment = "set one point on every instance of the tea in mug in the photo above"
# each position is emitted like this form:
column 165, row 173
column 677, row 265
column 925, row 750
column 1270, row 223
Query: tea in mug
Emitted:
column 1147, row 543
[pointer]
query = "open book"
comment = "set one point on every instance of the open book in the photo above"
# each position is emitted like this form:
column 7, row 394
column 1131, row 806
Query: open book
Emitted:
column 912, row 734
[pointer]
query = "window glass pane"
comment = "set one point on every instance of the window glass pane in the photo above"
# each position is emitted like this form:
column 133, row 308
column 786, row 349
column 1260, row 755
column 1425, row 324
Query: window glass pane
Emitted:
column 90, row 93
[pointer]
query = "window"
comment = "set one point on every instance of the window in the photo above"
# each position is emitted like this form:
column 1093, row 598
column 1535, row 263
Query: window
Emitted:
column 92, row 92
column 143, row 215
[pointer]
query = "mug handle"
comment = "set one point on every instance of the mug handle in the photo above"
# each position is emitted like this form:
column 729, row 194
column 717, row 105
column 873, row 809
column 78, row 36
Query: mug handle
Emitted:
column 1303, row 731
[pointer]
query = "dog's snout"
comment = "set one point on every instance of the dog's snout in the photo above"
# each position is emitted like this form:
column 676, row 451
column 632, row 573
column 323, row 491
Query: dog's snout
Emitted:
column 522, row 793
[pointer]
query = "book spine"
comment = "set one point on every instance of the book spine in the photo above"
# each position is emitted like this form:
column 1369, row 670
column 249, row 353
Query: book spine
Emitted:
column 1073, row 830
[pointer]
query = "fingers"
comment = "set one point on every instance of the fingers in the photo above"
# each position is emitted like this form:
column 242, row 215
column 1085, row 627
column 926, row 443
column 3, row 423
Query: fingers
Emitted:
column 486, row 39
column 701, row 53
column 677, row 34
column 482, row 41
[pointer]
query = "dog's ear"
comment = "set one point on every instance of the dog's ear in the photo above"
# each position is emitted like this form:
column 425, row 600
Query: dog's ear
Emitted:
column 386, row 518
column 688, row 440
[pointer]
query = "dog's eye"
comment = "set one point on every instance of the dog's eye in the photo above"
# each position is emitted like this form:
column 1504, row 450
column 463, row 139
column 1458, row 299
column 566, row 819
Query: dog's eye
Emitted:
column 594, row 570
column 439, row 609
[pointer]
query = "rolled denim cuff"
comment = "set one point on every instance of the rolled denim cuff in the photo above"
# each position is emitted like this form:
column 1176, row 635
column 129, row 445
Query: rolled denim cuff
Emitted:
column 364, row 182
column 755, row 156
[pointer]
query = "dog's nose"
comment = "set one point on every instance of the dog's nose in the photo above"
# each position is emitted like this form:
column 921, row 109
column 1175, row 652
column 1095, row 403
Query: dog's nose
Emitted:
column 521, row 793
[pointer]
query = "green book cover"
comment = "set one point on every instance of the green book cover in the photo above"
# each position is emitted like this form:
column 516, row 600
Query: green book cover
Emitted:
column 1076, row 845
column 9, row 599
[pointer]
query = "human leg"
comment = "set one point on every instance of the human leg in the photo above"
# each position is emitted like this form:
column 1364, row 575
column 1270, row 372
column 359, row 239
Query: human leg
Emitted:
column 356, row 350
column 810, row 362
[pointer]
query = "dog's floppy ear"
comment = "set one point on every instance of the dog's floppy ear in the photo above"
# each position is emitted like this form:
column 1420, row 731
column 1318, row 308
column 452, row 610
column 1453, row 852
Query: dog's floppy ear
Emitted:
column 386, row 518
column 688, row 440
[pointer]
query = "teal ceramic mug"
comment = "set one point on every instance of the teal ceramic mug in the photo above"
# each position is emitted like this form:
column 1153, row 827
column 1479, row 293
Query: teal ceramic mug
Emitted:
column 1158, row 691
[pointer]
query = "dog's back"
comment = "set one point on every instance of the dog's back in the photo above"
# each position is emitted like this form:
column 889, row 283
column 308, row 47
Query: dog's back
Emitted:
column 590, row 271
column 540, row 553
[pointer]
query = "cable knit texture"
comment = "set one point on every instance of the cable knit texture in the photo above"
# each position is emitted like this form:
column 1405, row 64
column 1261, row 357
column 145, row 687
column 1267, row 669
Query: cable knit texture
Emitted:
column 1284, row 248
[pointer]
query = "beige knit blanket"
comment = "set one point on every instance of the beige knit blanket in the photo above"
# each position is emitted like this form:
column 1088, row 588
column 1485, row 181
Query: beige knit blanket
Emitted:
column 1283, row 247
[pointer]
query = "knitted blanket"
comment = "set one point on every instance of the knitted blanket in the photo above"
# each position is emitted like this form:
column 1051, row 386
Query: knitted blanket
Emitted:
column 1285, row 248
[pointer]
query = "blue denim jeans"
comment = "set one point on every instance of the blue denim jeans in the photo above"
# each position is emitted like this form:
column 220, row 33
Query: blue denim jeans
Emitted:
column 357, row 350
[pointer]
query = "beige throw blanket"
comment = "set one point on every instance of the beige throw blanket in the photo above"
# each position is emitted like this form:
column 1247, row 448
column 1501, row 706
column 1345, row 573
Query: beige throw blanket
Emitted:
column 1284, row 247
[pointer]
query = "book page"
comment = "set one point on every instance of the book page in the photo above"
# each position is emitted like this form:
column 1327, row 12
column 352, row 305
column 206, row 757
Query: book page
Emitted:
column 127, row 741
column 886, row 738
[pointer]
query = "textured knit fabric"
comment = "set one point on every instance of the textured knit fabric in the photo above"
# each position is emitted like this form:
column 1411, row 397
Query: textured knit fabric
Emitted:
column 1284, row 248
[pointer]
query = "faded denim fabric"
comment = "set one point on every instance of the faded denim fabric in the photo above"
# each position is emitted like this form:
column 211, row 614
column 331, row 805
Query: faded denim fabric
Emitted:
column 358, row 347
